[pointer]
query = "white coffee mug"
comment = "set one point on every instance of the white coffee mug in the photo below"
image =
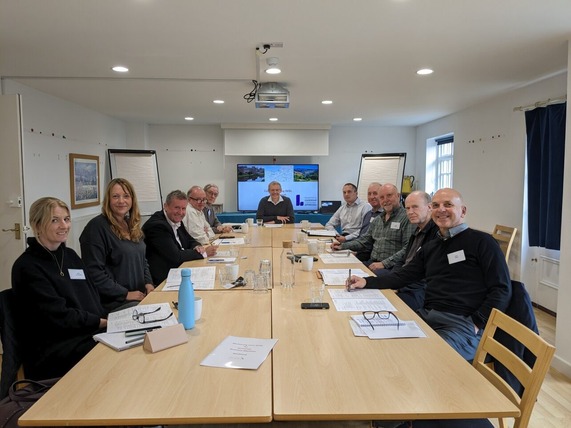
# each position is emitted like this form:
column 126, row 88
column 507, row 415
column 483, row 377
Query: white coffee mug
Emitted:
column 307, row 263
column 197, row 308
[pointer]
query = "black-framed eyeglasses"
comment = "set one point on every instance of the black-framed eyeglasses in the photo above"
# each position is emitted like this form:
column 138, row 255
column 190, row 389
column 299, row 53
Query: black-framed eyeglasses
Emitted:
column 141, row 316
column 384, row 316
column 203, row 200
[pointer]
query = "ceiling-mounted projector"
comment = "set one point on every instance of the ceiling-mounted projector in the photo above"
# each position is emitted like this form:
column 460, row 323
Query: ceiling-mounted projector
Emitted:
column 272, row 95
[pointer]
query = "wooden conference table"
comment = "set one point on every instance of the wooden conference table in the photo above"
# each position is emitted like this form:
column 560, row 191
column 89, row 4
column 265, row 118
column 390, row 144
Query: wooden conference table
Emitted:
column 318, row 369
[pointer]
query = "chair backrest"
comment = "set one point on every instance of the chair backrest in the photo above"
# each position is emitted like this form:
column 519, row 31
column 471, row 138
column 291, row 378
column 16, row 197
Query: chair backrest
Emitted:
column 530, row 377
column 11, row 359
column 505, row 236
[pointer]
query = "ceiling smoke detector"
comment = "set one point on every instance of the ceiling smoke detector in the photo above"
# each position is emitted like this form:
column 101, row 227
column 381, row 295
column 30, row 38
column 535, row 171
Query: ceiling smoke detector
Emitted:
column 272, row 95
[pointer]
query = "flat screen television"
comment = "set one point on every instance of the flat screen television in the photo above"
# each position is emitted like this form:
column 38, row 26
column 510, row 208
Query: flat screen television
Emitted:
column 300, row 183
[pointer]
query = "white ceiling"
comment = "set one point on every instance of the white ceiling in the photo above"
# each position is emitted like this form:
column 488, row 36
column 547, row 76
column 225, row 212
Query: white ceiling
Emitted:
column 361, row 54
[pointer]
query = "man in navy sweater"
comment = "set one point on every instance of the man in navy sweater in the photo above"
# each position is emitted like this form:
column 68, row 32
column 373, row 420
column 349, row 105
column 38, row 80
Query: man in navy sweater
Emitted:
column 466, row 276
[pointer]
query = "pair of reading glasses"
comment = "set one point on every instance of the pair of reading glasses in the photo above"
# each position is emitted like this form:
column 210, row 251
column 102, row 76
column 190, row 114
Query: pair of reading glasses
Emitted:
column 383, row 316
column 141, row 316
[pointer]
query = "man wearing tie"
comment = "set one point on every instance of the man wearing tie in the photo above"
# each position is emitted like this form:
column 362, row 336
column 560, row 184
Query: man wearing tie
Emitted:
column 167, row 240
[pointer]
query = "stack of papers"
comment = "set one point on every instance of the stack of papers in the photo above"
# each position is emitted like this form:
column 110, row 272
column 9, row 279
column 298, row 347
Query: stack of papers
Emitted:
column 320, row 232
column 229, row 241
column 124, row 332
column 387, row 330
column 202, row 278
column 339, row 258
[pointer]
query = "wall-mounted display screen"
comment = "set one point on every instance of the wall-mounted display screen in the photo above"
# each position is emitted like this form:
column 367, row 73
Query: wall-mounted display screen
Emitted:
column 300, row 183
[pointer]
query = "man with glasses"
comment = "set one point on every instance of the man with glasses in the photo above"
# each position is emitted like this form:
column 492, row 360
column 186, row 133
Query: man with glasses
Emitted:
column 466, row 276
column 167, row 240
column 212, row 192
column 194, row 220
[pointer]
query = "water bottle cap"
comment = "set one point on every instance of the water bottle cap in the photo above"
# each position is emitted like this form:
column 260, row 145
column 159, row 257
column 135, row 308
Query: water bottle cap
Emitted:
column 185, row 272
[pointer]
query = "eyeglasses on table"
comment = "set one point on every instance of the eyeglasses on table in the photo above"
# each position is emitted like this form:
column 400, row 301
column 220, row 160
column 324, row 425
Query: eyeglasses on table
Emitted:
column 384, row 316
column 141, row 316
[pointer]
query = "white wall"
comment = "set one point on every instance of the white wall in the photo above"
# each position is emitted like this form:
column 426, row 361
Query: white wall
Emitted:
column 489, row 156
column 194, row 154
column 53, row 128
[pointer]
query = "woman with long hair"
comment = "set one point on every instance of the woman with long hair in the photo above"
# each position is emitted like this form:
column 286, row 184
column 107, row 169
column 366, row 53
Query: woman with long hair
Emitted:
column 113, row 249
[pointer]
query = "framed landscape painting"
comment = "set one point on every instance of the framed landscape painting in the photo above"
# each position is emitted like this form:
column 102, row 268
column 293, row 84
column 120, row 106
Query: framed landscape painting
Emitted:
column 84, row 180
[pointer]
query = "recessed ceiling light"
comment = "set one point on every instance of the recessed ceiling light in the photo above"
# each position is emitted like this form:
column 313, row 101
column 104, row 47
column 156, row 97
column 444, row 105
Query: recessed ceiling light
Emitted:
column 189, row 118
column 273, row 119
column 425, row 71
column 357, row 119
column 120, row 69
column 218, row 101
column 326, row 102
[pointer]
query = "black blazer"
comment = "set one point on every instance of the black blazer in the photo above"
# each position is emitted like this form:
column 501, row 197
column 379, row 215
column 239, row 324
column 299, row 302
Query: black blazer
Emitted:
column 163, row 250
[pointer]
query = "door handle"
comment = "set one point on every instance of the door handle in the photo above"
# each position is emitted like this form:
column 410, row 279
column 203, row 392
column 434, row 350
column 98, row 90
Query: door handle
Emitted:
column 16, row 231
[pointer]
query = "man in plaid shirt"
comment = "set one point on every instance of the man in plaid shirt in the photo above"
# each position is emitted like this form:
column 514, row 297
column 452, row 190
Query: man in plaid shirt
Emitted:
column 387, row 236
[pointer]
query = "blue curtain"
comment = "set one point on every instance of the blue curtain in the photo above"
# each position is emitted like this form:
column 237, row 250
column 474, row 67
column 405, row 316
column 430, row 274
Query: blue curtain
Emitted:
column 545, row 161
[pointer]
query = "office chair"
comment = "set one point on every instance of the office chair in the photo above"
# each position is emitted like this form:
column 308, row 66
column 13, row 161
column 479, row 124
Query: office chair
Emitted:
column 11, row 359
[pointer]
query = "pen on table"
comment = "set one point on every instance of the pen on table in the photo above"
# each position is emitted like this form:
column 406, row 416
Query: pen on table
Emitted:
column 349, row 281
column 135, row 339
column 139, row 331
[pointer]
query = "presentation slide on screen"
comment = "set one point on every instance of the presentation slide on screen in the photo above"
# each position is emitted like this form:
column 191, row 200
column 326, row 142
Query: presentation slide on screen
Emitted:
column 300, row 183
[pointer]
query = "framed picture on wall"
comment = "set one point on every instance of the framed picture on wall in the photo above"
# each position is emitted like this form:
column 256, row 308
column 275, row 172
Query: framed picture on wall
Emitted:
column 84, row 180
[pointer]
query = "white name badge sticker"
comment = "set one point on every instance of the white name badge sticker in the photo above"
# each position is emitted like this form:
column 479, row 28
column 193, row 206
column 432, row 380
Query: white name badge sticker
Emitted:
column 76, row 274
column 395, row 225
column 456, row 256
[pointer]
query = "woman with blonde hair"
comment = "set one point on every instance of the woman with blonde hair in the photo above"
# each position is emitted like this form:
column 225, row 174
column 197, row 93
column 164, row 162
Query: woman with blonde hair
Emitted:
column 113, row 249
column 58, row 308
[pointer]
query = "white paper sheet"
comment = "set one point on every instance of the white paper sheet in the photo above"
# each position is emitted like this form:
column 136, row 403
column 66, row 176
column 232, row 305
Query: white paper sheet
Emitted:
column 359, row 301
column 240, row 353
column 229, row 241
column 403, row 330
column 202, row 278
column 339, row 276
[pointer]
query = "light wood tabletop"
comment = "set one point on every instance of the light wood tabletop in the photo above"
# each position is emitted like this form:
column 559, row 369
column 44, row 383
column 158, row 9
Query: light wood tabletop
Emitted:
column 323, row 372
column 134, row 387
column 317, row 371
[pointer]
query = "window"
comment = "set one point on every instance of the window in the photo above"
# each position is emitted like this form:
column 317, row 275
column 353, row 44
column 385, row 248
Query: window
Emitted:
column 444, row 158
column 439, row 162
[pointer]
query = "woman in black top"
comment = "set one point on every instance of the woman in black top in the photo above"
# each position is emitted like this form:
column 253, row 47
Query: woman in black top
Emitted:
column 58, row 308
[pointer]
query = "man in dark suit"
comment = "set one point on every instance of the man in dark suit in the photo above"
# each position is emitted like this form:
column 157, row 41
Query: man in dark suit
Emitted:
column 168, row 242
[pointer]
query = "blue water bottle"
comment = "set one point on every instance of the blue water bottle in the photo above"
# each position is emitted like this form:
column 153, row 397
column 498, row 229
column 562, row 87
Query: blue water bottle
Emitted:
column 186, row 301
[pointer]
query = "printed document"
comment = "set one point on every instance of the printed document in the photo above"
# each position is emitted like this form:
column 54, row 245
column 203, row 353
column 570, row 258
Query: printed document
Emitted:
column 240, row 353
column 338, row 257
column 149, row 316
column 339, row 276
column 202, row 278
column 360, row 300
column 229, row 241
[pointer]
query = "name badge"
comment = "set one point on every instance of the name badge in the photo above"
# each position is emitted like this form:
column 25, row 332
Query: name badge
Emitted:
column 76, row 274
column 395, row 225
column 456, row 257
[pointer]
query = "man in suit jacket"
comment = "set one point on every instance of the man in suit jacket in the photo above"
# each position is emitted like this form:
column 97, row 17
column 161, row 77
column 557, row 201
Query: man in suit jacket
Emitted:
column 168, row 242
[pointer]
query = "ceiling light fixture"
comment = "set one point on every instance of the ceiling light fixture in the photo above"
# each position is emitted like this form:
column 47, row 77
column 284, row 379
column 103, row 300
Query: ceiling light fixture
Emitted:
column 357, row 119
column 120, row 69
column 218, row 101
column 326, row 102
column 273, row 65
column 189, row 118
column 424, row 71
column 273, row 119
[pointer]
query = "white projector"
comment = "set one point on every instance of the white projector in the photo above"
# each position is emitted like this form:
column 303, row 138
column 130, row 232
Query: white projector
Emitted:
column 272, row 95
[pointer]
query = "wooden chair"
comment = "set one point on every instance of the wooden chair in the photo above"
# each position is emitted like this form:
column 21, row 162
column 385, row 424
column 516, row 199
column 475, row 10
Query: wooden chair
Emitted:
column 530, row 377
column 505, row 236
